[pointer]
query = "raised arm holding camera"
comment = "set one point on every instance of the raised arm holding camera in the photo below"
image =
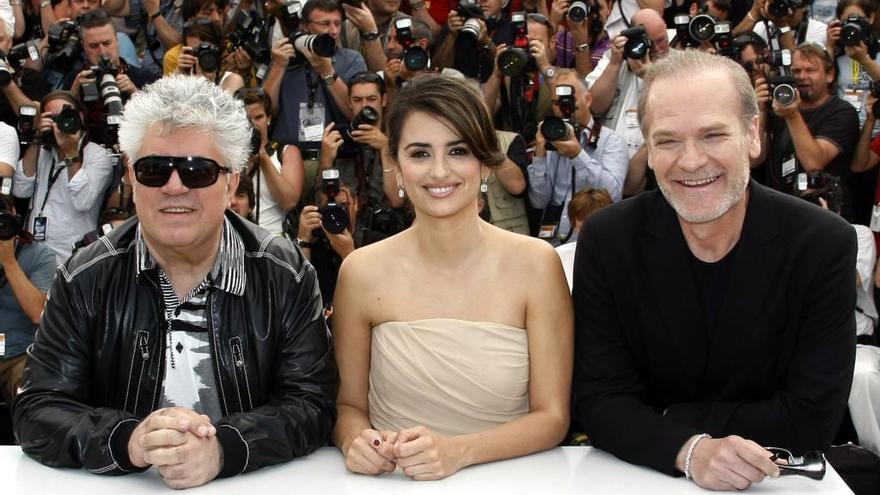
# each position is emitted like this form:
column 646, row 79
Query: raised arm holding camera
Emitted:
column 856, row 50
column 784, row 22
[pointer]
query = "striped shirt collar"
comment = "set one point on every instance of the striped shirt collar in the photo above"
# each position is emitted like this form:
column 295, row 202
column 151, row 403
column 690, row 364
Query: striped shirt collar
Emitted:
column 228, row 272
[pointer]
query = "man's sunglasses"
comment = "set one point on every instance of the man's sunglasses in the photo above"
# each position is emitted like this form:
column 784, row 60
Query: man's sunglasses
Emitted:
column 194, row 171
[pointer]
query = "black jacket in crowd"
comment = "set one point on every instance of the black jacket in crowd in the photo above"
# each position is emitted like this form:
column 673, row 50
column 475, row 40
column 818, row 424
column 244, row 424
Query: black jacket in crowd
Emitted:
column 98, row 360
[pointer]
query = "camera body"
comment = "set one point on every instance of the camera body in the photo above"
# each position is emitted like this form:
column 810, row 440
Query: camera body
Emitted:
column 556, row 128
column 782, row 8
column 517, row 59
column 322, row 45
column 579, row 10
column 105, row 88
column 12, row 61
column 64, row 46
column 821, row 185
column 68, row 121
column 250, row 34
column 334, row 217
column 637, row 42
column 470, row 9
column 367, row 115
column 783, row 89
column 415, row 58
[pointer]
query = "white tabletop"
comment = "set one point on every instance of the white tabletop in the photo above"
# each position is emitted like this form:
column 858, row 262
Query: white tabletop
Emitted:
column 564, row 470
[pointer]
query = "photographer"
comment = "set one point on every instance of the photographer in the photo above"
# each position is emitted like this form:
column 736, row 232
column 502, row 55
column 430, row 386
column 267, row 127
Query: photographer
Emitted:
column 472, row 50
column 277, row 172
column 313, row 88
column 364, row 28
column 586, row 155
column 616, row 83
column 327, row 238
column 202, row 55
column 786, row 21
column 26, row 84
column 65, row 177
column 359, row 151
column 519, row 89
column 165, row 31
column 9, row 151
column 26, row 272
column 856, row 55
column 590, row 38
column 816, row 132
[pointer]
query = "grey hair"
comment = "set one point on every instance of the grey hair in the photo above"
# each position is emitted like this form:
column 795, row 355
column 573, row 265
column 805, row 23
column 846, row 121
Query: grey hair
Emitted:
column 680, row 63
column 178, row 102
column 7, row 29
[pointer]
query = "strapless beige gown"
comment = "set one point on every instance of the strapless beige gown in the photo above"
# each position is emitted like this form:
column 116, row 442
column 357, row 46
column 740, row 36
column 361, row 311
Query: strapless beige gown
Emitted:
column 454, row 377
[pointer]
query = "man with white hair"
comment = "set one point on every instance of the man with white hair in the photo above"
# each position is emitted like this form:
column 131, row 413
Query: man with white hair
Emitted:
column 187, row 339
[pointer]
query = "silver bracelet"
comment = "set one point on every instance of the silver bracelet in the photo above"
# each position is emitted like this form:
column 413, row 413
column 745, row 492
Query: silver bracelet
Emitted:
column 690, row 454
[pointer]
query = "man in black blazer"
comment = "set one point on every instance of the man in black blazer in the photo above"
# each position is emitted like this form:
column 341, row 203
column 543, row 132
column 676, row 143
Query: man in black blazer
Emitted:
column 715, row 316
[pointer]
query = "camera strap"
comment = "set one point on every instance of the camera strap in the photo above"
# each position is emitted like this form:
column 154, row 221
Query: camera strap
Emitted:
column 311, row 83
column 53, row 176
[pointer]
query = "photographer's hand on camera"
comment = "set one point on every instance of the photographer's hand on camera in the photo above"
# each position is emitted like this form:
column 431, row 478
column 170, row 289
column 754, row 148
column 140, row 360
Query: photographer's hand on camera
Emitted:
column 393, row 68
column 370, row 135
column 309, row 220
column 571, row 147
column 859, row 53
column 537, row 49
column 639, row 65
column 762, row 92
column 342, row 243
column 187, row 63
column 779, row 22
column 7, row 254
column 85, row 76
column 331, row 141
column 832, row 36
column 454, row 22
column 558, row 10
column 282, row 52
column 361, row 16
column 125, row 84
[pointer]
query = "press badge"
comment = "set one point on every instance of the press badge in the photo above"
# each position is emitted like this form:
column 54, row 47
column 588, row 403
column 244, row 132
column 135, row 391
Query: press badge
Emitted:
column 875, row 218
column 548, row 231
column 853, row 97
column 788, row 167
column 632, row 118
column 40, row 228
column 311, row 122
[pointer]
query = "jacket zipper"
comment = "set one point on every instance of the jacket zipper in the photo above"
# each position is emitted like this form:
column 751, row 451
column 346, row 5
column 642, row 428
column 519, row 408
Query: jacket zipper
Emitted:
column 239, row 370
column 140, row 356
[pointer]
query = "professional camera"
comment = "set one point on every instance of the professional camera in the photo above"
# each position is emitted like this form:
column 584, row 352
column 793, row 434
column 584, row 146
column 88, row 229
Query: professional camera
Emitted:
column 105, row 88
column 334, row 217
column 367, row 115
column 27, row 128
column 820, row 185
column 637, row 42
column 322, row 45
column 68, row 122
column 578, row 11
column 250, row 33
column 857, row 29
column 256, row 141
column 10, row 225
column 415, row 58
column 783, row 89
column 781, row 8
column 556, row 128
column 64, row 47
column 209, row 57
column 10, row 62
column 470, row 9
column 472, row 28
column 724, row 40
column 517, row 59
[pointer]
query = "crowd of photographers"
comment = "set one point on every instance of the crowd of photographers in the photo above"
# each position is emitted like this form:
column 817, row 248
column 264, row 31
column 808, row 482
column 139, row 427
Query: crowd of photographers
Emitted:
column 561, row 78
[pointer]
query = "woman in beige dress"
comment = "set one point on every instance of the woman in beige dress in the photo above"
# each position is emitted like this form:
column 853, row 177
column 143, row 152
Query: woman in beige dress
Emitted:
column 454, row 337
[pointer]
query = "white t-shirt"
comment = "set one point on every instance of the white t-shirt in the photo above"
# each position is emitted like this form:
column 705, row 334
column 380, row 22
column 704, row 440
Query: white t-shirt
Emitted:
column 566, row 255
column 9, row 148
column 271, row 215
column 622, row 115
column 865, row 260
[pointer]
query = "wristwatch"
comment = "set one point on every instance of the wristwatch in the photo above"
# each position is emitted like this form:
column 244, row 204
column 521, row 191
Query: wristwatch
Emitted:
column 582, row 48
column 550, row 73
column 303, row 244
column 329, row 80
column 372, row 35
column 784, row 29
column 45, row 3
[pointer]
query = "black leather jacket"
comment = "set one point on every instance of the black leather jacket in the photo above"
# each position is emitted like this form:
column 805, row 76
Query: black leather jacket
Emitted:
column 97, row 362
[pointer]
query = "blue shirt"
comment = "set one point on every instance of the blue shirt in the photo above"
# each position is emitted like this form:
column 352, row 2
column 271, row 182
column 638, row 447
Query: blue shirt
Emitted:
column 601, row 168
column 38, row 263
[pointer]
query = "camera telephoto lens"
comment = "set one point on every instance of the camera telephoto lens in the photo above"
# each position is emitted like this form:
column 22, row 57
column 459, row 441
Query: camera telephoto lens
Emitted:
column 554, row 129
column 778, row 8
column 702, row 28
column 334, row 218
column 513, row 61
column 415, row 58
column 208, row 56
column 68, row 121
column 367, row 115
column 578, row 11
column 471, row 28
column 784, row 94
column 322, row 45
column 854, row 30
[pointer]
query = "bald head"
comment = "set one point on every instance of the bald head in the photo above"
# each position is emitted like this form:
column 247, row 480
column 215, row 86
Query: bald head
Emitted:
column 655, row 28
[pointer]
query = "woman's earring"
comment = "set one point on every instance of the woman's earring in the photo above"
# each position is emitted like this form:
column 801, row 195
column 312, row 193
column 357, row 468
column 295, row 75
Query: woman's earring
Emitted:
column 484, row 185
column 400, row 192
